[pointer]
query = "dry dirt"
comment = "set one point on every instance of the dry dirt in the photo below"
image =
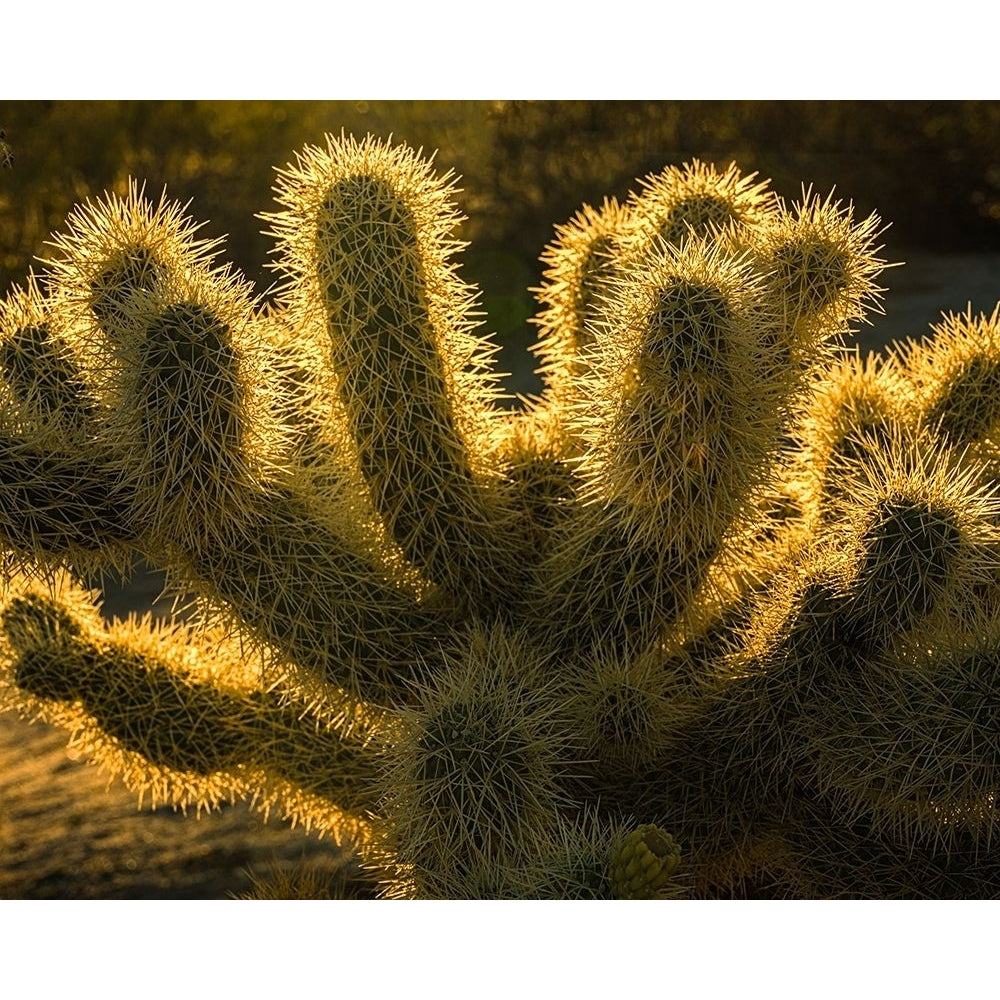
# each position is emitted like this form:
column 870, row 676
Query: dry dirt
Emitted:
column 65, row 834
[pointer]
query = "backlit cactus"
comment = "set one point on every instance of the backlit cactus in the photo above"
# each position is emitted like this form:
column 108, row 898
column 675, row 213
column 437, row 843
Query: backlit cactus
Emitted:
column 716, row 614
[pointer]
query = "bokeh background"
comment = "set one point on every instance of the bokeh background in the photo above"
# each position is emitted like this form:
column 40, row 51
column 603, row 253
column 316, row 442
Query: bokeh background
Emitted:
column 930, row 168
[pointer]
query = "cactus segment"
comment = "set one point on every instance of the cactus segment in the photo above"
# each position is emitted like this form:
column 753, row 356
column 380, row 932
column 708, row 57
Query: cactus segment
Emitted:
column 956, row 375
column 579, row 265
column 189, row 403
column 670, row 409
column 477, row 772
column 54, row 506
column 117, row 250
column 919, row 535
column 628, row 712
column 366, row 238
column 58, row 497
column 823, row 265
column 858, row 410
column 541, row 483
column 909, row 549
column 302, row 590
column 914, row 748
column 48, row 395
column 698, row 200
column 678, row 433
column 179, row 720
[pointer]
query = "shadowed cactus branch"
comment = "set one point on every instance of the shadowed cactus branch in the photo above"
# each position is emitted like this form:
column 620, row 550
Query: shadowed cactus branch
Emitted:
column 186, row 719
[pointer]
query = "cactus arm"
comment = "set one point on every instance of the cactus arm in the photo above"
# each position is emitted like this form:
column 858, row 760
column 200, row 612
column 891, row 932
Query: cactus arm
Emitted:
column 60, row 506
column 474, row 779
column 954, row 378
column 668, row 407
column 366, row 236
column 179, row 719
column 292, row 580
column 580, row 265
column 823, row 265
column 60, row 498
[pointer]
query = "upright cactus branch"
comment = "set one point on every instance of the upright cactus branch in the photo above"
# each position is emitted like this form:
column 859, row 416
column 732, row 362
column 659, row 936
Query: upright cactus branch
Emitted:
column 366, row 238
column 581, row 266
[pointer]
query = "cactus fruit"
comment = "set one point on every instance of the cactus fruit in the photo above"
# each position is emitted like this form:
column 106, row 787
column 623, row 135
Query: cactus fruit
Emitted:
column 645, row 864
column 722, row 584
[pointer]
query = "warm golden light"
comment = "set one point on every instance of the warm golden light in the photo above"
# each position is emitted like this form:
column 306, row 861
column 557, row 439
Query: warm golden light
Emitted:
column 714, row 612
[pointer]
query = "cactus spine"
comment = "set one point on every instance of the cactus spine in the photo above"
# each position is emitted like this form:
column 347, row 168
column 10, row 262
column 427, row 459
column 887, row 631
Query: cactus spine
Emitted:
column 713, row 612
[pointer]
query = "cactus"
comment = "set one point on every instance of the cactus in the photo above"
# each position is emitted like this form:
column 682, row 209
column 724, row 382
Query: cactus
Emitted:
column 713, row 615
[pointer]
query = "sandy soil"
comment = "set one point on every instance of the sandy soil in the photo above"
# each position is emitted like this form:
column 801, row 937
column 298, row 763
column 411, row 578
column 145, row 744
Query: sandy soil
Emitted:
column 65, row 834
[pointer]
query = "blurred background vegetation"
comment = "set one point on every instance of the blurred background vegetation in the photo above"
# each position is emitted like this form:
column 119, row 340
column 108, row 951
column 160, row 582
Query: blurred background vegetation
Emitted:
column 931, row 168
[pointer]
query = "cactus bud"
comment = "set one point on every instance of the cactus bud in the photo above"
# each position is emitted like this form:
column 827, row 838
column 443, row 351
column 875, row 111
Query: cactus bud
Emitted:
column 956, row 373
column 645, row 864
column 697, row 199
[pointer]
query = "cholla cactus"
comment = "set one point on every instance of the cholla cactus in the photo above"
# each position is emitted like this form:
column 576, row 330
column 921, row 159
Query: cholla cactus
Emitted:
column 714, row 615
